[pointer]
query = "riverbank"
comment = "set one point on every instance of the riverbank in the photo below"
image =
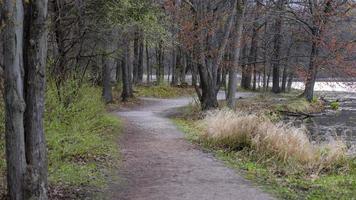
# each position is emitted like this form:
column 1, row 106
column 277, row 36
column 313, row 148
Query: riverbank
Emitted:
column 287, row 182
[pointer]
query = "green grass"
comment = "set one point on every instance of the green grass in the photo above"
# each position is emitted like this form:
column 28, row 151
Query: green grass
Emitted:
column 81, row 138
column 163, row 91
column 335, row 105
column 271, row 175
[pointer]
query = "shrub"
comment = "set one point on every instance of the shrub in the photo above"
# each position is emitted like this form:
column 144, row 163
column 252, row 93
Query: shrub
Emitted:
column 163, row 91
column 284, row 143
column 80, row 138
column 335, row 105
column 79, row 134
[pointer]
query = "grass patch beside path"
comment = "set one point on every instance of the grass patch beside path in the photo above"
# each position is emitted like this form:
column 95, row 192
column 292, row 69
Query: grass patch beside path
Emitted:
column 339, row 183
column 164, row 91
column 81, row 141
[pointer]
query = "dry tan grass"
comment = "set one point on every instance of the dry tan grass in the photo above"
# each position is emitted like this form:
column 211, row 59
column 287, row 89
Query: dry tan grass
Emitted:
column 287, row 144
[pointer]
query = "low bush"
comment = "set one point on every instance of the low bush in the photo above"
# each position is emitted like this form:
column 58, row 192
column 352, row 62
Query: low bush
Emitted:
column 80, row 139
column 335, row 105
column 163, row 91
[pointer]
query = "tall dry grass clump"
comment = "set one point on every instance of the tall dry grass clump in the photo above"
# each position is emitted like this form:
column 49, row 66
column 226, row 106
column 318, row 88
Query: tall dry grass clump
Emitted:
column 281, row 142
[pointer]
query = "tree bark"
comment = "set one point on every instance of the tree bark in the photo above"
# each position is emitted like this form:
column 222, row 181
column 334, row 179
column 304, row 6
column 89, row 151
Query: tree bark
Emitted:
column 175, row 61
column 109, row 65
column 106, row 70
column 35, row 66
column 312, row 73
column 277, row 42
column 285, row 71
column 140, row 59
column 136, row 58
column 231, row 100
column 148, row 66
column 14, row 98
column 208, row 66
column 126, row 74
column 290, row 80
column 160, row 65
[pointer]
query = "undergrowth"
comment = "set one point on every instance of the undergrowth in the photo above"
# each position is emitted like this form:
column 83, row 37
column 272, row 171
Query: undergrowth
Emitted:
column 279, row 157
column 80, row 137
column 163, row 91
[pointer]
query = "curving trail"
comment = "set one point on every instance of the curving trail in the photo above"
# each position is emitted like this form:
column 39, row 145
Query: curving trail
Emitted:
column 159, row 164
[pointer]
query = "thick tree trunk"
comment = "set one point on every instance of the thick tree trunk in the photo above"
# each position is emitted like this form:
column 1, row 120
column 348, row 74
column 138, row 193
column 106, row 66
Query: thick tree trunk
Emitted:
column 254, row 82
column 284, row 78
column 140, row 60
column 160, row 66
column 245, row 81
column 208, row 98
column 286, row 70
column 251, row 68
column 183, row 68
column 109, row 66
column 175, row 61
column 118, row 70
column 290, row 81
column 178, row 66
column 14, row 99
column 269, row 77
column 208, row 71
column 277, row 42
column 106, row 75
column 312, row 73
column 231, row 100
column 126, row 74
column 35, row 65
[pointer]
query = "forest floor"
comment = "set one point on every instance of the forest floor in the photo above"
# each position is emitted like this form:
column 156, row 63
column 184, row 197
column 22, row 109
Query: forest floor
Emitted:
column 159, row 163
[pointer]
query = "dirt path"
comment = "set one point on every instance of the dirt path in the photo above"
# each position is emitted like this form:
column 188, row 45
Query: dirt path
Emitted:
column 159, row 164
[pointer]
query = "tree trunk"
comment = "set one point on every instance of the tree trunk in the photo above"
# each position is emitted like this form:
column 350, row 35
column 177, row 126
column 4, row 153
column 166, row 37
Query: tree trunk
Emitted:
column 285, row 70
column 140, row 59
column 136, row 58
column 290, row 81
column 208, row 71
column 109, row 66
column 312, row 73
column 107, row 90
column 183, row 68
column 208, row 97
column 35, row 65
column 148, row 66
column 277, row 41
column 126, row 74
column 231, row 100
column 178, row 66
column 174, row 67
column 14, row 99
column 254, row 85
column 59, row 69
column 118, row 70
column 269, row 77
column 245, row 81
column 160, row 66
